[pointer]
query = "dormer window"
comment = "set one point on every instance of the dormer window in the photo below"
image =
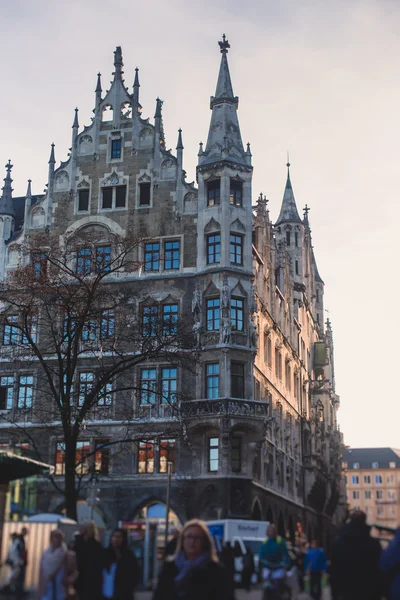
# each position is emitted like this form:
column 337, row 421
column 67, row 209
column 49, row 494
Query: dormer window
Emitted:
column 116, row 146
column 213, row 192
column 235, row 192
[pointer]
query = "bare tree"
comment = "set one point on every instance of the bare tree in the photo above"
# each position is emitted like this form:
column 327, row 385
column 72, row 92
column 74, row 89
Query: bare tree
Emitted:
column 72, row 304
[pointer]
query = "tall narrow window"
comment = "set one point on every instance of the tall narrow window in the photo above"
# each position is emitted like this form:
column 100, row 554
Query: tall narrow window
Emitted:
column 146, row 457
column 86, row 382
column 236, row 455
column 288, row 238
column 237, row 311
column 235, row 192
column 107, row 196
column 107, row 324
column 105, row 395
column 25, row 391
column 11, row 332
column 167, row 455
column 236, row 249
column 39, row 264
column 296, row 239
column 83, row 200
column 60, row 459
column 296, row 266
column 82, row 457
column 213, row 454
column 148, row 386
column 212, row 380
column 144, row 194
column 120, row 196
column 102, row 457
column 213, row 192
column 237, row 379
column 6, row 393
column 267, row 349
column 116, row 146
column 172, row 255
column 103, row 258
column 89, row 330
column 213, row 248
column 84, row 261
column 150, row 320
column 168, row 385
column 213, row 314
column 170, row 319
column 152, row 257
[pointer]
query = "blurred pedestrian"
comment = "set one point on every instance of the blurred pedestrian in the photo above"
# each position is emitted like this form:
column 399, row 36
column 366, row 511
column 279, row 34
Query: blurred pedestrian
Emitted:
column 390, row 567
column 121, row 570
column 248, row 568
column 355, row 562
column 315, row 567
column 227, row 558
column 53, row 569
column 195, row 572
column 23, row 553
column 89, row 558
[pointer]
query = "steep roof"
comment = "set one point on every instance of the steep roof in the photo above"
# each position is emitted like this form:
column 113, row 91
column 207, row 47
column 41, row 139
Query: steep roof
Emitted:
column 364, row 457
column 289, row 213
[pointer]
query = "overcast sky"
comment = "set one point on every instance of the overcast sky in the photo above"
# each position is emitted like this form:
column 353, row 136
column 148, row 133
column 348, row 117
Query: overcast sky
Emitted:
column 317, row 78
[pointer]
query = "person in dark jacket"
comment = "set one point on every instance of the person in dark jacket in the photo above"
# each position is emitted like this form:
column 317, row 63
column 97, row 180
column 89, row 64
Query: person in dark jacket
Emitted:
column 227, row 557
column 355, row 562
column 121, row 570
column 89, row 558
column 390, row 567
column 170, row 549
column 195, row 572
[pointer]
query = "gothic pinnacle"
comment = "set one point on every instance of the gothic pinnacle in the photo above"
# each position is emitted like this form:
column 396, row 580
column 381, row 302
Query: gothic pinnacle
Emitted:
column 52, row 159
column 28, row 190
column 76, row 122
column 6, row 201
column 118, row 63
column 136, row 82
column 98, row 86
column 158, row 114
column 179, row 145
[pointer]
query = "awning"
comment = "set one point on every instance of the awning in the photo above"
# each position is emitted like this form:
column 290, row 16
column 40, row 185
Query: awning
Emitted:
column 13, row 467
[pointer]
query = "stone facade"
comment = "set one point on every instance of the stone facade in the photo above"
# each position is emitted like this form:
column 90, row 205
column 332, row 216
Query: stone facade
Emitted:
column 261, row 437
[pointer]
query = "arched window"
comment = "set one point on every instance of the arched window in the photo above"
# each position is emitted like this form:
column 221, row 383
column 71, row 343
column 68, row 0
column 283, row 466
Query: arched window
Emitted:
column 107, row 114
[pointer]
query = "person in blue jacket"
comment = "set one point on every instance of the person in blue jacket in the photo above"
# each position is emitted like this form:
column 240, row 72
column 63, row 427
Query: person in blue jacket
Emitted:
column 315, row 567
column 274, row 558
column 389, row 565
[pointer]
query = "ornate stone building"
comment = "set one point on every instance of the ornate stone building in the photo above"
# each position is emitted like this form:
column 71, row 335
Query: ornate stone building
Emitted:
column 259, row 415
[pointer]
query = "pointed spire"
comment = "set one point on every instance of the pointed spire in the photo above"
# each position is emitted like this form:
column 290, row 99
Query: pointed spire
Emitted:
column 6, row 201
column 224, row 121
column 179, row 145
column 289, row 213
column 76, row 122
column 28, row 190
column 306, row 210
column 200, row 152
column 158, row 113
column 98, row 89
column 52, row 159
column 136, row 86
column 224, row 89
column 118, row 63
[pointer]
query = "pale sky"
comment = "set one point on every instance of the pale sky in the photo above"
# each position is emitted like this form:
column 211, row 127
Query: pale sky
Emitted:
column 318, row 78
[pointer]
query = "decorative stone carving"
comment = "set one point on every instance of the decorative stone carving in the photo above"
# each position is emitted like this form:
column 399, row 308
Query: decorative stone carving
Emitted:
column 225, row 293
column 83, row 184
column 253, row 300
column 225, row 336
column 253, row 333
column 113, row 179
column 196, row 302
column 196, row 331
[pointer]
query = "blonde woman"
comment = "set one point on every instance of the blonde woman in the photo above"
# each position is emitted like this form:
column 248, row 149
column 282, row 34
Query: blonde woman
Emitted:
column 194, row 572
column 53, row 569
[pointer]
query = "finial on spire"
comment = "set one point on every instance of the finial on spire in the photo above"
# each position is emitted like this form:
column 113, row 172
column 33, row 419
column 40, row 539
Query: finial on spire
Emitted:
column 136, row 82
column 288, row 161
column 179, row 145
column 52, row 159
column 224, row 45
column 6, row 201
column 76, row 122
column 200, row 152
column 118, row 63
column 306, row 210
column 98, row 86
column 159, row 104
column 28, row 190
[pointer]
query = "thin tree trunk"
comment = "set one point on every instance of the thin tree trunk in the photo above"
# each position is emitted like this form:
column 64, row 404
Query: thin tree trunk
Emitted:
column 70, row 489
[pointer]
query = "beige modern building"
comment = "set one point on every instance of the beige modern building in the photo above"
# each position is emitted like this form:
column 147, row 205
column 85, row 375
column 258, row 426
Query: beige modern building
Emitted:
column 373, row 483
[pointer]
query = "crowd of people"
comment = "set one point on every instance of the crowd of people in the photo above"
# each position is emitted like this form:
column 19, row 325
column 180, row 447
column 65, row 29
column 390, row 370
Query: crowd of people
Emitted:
column 192, row 570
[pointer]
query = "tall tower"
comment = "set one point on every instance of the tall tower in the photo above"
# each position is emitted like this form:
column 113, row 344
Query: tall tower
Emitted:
column 7, row 217
column 224, row 239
